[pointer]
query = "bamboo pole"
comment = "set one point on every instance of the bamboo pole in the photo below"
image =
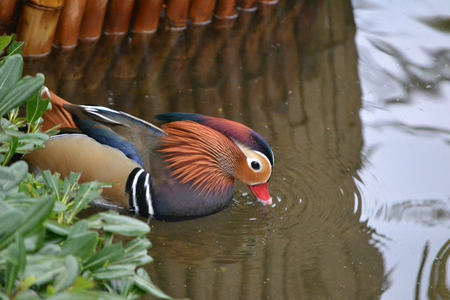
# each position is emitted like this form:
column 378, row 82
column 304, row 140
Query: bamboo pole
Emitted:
column 176, row 14
column 94, row 15
column 7, row 12
column 147, row 13
column 37, row 25
column 118, row 16
column 225, row 9
column 201, row 11
column 247, row 5
column 69, row 23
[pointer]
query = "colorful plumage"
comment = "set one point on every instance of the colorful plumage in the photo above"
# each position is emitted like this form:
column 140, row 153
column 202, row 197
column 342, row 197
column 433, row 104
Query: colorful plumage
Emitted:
column 185, row 169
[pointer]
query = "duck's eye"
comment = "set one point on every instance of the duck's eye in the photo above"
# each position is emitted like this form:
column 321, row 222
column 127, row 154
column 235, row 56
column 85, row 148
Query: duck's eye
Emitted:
column 255, row 165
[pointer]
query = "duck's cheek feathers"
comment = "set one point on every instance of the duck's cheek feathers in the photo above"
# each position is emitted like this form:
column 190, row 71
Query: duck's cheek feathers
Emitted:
column 253, row 172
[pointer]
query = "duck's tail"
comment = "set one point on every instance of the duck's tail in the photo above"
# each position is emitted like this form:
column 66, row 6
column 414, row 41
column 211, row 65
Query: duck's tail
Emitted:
column 57, row 115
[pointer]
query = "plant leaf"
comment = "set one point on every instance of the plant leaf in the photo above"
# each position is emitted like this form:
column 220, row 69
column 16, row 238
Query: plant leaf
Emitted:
column 142, row 280
column 11, row 176
column 15, row 47
column 108, row 254
column 123, row 225
column 114, row 272
column 36, row 107
column 21, row 92
column 67, row 278
column 10, row 73
column 14, row 141
column 4, row 41
column 34, row 215
column 80, row 244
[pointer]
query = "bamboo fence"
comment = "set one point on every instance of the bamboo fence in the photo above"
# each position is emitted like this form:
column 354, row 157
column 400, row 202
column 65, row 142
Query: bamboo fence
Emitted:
column 62, row 23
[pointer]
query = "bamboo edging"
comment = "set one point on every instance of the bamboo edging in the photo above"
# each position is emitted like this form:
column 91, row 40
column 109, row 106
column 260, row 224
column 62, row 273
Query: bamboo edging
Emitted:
column 69, row 23
column 92, row 23
column 147, row 14
column 37, row 25
column 7, row 12
column 118, row 16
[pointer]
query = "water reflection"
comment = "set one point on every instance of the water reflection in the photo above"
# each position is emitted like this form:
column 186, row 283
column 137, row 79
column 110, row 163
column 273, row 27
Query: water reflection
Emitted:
column 404, row 70
column 290, row 72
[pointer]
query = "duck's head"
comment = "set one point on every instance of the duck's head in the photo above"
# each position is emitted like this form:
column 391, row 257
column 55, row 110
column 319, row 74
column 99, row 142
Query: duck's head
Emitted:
column 209, row 152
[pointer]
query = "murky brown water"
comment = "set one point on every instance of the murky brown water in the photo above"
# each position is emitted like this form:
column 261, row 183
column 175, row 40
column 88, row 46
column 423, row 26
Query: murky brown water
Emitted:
column 360, row 133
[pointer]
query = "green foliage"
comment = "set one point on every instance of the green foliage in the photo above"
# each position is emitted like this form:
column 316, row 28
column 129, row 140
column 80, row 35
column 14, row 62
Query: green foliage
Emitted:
column 46, row 252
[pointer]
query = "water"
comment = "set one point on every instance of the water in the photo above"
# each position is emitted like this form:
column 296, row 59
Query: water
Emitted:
column 353, row 97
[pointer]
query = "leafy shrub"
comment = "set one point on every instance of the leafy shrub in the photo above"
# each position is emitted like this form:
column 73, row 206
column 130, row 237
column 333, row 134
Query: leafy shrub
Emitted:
column 46, row 252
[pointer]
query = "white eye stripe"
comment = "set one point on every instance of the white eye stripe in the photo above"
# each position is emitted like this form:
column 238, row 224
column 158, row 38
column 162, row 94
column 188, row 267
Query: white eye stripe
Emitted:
column 265, row 157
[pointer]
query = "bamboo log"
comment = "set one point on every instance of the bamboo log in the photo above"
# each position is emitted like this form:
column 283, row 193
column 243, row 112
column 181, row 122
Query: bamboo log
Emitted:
column 247, row 5
column 94, row 15
column 177, row 14
column 69, row 23
column 37, row 26
column 201, row 11
column 226, row 9
column 118, row 16
column 7, row 12
column 147, row 16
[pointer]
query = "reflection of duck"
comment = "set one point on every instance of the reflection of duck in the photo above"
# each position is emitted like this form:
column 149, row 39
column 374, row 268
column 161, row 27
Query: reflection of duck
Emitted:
column 184, row 170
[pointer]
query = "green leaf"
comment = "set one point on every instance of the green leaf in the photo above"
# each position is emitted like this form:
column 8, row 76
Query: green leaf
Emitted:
column 127, row 226
column 50, row 249
column 86, row 193
column 137, row 245
column 15, row 263
column 34, row 215
column 57, row 228
column 10, row 73
column 80, row 242
column 9, row 222
column 87, row 295
column 44, row 268
column 33, row 138
column 107, row 255
column 52, row 182
column 36, row 107
column 67, row 278
column 81, row 284
column 21, row 92
column 14, row 141
column 15, row 47
column 114, row 272
column 12, row 268
column 27, row 295
column 142, row 280
column 4, row 42
column 35, row 238
column 11, row 176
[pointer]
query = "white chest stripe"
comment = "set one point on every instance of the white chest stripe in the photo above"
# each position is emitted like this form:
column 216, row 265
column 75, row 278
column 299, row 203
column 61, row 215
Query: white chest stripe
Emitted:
column 133, row 190
column 148, row 195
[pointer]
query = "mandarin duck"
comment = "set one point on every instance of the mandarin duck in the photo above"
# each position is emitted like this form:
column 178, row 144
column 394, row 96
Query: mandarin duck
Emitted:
column 185, row 169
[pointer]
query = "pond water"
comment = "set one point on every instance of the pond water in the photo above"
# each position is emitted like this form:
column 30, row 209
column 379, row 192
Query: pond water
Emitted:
column 354, row 99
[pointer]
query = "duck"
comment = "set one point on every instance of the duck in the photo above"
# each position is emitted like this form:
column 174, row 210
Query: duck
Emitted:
column 183, row 169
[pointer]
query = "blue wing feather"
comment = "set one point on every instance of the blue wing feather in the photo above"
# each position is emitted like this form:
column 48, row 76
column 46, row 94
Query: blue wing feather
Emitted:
column 106, row 136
